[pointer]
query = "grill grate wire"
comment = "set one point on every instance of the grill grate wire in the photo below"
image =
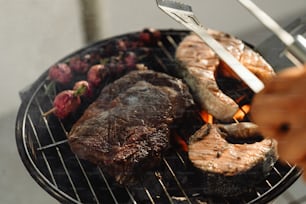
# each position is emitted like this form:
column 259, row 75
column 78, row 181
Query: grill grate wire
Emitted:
column 43, row 146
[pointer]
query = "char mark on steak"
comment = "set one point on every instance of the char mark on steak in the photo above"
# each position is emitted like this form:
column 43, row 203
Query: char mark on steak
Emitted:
column 127, row 128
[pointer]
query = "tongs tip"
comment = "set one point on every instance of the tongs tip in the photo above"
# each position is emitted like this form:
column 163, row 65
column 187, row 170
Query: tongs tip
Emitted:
column 173, row 4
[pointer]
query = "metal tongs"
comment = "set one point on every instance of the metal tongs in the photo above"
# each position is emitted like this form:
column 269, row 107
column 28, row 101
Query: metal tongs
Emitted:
column 295, row 46
column 183, row 14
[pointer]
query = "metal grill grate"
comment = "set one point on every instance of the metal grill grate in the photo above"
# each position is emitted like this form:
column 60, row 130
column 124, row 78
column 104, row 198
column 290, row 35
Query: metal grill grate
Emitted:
column 43, row 147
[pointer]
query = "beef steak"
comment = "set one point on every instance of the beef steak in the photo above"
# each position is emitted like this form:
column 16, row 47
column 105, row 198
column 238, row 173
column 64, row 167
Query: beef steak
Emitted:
column 127, row 128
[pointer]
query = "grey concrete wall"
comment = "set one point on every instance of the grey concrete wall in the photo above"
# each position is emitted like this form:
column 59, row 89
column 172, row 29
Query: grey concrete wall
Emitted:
column 33, row 35
column 227, row 15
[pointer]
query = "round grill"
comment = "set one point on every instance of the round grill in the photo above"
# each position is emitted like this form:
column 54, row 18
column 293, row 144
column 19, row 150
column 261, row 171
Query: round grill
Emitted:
column 44, row 150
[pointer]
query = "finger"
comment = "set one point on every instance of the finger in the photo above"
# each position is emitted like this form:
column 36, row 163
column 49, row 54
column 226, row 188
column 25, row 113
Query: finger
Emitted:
column 291, row 147
column 269, row 114
column 274, row 110
column 293, row 71
column 281, row 122
column 285, row 81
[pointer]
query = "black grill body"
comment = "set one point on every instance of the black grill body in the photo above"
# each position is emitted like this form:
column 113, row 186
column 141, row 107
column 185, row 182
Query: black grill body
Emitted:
column 44, row 150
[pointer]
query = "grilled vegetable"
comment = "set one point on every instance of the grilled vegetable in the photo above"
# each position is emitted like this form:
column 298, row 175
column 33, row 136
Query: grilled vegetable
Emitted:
column 60, row 73
column 64, row 103
column 79, row 64
column 149, row 36
column 96, row 74
column 82, row 88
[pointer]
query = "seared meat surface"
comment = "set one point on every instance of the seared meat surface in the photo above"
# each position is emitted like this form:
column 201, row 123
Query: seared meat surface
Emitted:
column 230, row 166
column 127, row 128
column 229, row 157
column 199, row 65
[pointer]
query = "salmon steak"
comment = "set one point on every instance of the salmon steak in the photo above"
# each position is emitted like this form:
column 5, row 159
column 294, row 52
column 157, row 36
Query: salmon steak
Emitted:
column 199, row 65
column 231, row 157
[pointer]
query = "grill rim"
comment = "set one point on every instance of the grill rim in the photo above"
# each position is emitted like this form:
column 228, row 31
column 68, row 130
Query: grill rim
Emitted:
column 27, row 97
column 35, row 173
column 28, row 163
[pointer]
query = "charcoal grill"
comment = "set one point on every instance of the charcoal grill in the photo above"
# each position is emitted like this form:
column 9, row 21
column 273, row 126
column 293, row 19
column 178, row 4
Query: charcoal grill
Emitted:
column 45, row 152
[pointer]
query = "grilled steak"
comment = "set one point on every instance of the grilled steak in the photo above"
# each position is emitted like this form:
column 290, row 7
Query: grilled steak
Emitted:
column 127, row 128
column 199, row 66
column 230, row 166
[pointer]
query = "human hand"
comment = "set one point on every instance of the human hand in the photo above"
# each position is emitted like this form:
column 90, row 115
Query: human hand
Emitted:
column 280, row 112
